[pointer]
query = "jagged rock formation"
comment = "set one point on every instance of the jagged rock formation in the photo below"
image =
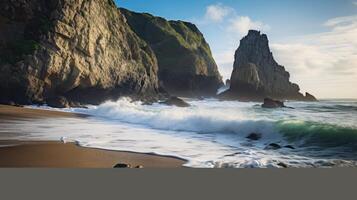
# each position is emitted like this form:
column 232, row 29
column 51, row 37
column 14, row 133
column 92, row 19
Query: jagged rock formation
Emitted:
column 186, row 65
column 80, row 50
column 257, row 75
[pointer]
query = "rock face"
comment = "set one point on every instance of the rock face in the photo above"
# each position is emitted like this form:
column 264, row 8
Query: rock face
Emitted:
column 310, row 97
column 257, row 75
column 80, row 50
column 186, row 65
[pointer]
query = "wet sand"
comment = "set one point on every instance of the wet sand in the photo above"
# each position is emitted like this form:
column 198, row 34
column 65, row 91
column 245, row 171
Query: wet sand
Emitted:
column 11, row 112
column 39, row 154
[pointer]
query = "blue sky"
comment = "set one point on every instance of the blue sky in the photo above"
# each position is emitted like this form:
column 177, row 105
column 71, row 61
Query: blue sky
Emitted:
column 315, row 40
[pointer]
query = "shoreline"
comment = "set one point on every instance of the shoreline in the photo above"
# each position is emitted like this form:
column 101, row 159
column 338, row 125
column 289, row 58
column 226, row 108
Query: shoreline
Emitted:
column 55, row 154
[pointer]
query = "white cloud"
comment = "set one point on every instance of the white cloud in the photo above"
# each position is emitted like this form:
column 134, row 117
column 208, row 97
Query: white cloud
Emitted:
column 217, row 13
column 324, row 63
column 354, row 3
column 335, row 22
column 243, row 24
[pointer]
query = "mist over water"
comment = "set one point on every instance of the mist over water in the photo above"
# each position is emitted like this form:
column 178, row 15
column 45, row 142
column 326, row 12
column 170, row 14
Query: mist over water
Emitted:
column 213, row 133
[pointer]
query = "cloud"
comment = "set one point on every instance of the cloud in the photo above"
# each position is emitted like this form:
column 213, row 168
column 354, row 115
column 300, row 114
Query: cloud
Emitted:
column 216, row 13
column 243, row 24
column 231, row 27
column 325, row 63
column 336, row 22
column 354, row 3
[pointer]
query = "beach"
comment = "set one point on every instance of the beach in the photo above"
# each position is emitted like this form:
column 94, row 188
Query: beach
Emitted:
column 56, row 154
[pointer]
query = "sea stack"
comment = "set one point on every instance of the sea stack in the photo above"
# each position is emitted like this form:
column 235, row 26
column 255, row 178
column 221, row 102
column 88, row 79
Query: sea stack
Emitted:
column 81, row 51
column 186, row 65
column 256, row 74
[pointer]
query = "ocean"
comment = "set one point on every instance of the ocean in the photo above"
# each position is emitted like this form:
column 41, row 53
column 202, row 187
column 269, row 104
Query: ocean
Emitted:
column 210, row 133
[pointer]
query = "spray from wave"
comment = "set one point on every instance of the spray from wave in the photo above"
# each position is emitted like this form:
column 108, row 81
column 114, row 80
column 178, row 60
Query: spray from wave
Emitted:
column 238, row 120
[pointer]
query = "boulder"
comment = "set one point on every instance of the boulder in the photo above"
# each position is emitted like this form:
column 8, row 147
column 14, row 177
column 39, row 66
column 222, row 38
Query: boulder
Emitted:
column 289, row 147
column 175, row 101
column 270, row 103
column 254, row 136
column 283, row 165
column 273, row 146
column 122, row 165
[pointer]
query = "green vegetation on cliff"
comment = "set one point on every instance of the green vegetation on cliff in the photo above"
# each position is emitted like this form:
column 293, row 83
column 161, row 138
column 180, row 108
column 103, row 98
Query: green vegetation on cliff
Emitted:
column 186, row 65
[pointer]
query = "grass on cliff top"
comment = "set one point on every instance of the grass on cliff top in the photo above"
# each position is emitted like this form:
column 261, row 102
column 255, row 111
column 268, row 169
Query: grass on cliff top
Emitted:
column 186, row 34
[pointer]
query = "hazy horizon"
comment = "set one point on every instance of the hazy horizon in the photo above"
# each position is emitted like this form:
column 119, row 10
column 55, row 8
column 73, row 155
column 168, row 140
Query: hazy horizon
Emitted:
column 318, row 48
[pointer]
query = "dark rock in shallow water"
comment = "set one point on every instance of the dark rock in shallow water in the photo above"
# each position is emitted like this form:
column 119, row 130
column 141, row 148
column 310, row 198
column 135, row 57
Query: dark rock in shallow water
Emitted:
column 122, row 165
column 257, row 75
column 273, row 146
column 270, row 103
column 289, row 147
column 254, row 136
column 283, row 165
column 175, row 101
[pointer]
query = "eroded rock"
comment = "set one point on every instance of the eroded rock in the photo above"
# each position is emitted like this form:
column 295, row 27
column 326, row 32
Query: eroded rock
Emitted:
column 257, row 75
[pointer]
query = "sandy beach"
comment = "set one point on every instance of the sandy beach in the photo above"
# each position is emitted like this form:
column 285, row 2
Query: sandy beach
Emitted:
column 50, row 154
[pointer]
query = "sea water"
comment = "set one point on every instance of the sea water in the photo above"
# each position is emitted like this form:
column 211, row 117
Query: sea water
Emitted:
column 210, row 133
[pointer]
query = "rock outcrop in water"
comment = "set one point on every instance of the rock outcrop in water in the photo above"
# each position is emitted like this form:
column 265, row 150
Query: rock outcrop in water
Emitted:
column 257, row 75
column 175, row 101
column 271, row 103
column 186, row 65
column 83, row 51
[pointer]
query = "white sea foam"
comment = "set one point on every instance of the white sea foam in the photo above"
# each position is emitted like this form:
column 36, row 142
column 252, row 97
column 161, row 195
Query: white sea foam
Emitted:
column 210, row 133
column 205, row 118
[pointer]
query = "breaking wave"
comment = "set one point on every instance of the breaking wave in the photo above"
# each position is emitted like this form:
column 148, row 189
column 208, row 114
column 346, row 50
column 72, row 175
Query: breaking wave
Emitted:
column 236, row 120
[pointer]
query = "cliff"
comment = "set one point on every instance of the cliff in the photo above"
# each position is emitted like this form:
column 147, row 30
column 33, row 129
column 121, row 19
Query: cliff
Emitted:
column 80, row 50
column 257, row 75
column 186, row 65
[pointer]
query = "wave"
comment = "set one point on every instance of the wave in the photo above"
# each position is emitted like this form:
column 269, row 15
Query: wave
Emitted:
column 193, row 119
column 236, row 122
column 320, row 134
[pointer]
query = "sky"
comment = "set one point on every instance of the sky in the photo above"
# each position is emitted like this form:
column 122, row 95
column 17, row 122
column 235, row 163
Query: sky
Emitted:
column 315, row 40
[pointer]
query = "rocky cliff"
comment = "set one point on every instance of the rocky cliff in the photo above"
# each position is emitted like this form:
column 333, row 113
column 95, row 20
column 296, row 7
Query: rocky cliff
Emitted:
column 257, row 75
column 186, row 65
column 80, row 50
